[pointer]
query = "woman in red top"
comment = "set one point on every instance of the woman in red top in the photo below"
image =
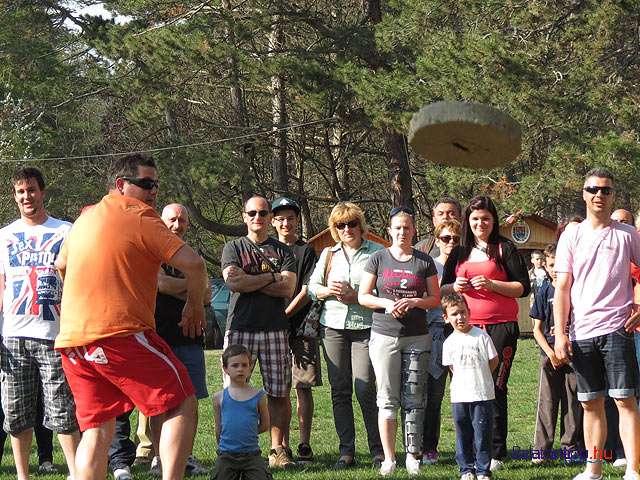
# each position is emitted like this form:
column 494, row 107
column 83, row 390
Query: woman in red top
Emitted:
column 488, row 270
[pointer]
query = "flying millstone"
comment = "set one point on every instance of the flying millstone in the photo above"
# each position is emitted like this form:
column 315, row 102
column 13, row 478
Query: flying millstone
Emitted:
column 462, row 134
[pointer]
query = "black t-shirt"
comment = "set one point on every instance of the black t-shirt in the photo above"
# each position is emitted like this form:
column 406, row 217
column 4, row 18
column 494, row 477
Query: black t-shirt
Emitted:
column 397, row 280
column 306, row 259
column 255, row 310
column 169, row 314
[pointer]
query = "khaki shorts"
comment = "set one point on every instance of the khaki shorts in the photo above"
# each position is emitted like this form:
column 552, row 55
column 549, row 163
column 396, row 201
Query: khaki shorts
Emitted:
column 305, row 362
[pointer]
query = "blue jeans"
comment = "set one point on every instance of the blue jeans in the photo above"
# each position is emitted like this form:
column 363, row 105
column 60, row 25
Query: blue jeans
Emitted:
column 606, row 364
column 474, row 424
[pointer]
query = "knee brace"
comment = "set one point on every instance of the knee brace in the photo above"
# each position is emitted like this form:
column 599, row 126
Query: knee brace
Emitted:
column 415, row 366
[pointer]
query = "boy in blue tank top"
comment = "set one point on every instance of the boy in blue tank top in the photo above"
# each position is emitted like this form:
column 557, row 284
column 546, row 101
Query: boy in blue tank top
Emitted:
column 241, row 414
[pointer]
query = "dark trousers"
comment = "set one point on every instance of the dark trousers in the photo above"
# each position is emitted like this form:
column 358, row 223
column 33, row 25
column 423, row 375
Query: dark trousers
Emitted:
column 473, row 426
column 557, row 390
column 347, row 355
column 44, row 436
column 432, row 418
column 122, row 451
column 505, row 338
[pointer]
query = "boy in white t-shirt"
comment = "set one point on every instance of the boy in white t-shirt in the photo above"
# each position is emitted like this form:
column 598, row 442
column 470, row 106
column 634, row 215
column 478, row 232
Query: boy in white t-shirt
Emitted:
column 472, row 357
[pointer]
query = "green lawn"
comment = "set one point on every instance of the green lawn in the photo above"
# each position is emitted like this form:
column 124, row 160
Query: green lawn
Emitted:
column 522, row 410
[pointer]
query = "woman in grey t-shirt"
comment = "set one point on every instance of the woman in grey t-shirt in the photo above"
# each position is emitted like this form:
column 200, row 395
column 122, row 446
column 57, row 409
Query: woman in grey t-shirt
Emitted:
column 401, row 284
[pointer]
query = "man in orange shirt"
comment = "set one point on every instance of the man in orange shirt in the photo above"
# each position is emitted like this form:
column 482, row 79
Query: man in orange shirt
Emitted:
column 112, row 357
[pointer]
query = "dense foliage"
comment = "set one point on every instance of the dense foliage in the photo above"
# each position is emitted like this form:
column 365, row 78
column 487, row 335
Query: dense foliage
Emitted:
column 312, row 99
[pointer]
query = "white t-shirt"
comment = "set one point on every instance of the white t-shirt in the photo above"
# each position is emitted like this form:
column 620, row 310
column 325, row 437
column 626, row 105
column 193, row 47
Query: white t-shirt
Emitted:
column 33, row 288
column 600, row 262
column 469, row 353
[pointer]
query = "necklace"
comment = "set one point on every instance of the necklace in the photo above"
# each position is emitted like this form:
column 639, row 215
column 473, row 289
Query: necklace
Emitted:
column 481, row 248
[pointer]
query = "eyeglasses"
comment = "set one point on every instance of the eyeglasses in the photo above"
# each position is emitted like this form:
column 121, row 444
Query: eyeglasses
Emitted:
column 593, row 190
column 396, row 210
column 448, row 238
column 145, row 183
column 253, row 213
column 282, row 219
column 343, row 225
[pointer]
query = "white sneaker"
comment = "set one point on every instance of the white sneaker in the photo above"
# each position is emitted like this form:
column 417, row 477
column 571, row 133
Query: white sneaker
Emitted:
column 156, row 467
column 620, row 462
column 483, row 477
column 388, row 467
column 495, row 464
column 122, row 474
column 412, row 464
column 631, row 475
column 588, row 476
column 468, row 476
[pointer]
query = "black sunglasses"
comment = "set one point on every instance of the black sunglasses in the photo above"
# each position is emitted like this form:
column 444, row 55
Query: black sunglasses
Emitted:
column 144, row 183
column 448, row 238
column 396, row 210
column 593, row 190
column 262, row 213
column 351, row 224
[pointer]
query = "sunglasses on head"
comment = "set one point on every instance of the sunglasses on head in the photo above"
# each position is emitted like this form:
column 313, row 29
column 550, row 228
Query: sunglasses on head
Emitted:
column 144, row 183
column 343, row 225
column 396, row 210
column 593, row 190
column 253, row 213
column 448, row 238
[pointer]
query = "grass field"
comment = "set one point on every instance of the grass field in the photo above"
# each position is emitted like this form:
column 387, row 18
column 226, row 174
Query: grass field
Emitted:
column 522, row 411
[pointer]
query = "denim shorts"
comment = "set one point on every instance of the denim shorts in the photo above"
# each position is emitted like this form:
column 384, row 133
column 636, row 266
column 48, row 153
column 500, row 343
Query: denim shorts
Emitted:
column 606, row 365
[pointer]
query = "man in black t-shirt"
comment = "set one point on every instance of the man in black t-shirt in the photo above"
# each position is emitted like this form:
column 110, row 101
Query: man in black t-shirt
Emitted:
column 172, row 294
column 305, row 351
column 260, row 273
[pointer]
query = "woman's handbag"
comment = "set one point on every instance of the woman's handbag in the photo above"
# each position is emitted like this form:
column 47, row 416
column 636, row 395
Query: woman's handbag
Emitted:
column 310, row 325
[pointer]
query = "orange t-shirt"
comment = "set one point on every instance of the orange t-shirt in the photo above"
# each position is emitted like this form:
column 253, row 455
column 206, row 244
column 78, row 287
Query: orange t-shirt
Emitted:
column 113, row 253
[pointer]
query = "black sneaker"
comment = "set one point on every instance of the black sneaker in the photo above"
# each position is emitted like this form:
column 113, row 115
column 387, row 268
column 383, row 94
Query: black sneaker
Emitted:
column 305, row 455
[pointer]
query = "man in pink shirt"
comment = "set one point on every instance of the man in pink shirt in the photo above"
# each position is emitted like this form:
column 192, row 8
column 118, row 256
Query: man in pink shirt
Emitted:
column 594, row 287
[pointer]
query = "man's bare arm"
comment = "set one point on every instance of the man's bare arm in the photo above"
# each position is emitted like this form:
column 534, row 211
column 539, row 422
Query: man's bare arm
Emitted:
column 192, row 266
column 284, row 288
column 168, row 285
column 561, row 310
column 177, row 287
column 238, row 281
column 298, row 302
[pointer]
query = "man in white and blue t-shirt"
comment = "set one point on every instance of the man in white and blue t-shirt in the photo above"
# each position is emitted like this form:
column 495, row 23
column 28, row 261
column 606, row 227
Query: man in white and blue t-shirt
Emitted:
column 31, row 289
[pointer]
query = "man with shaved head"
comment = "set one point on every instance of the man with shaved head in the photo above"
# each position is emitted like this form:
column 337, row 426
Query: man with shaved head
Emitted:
column 623, row 216
column 172, row 289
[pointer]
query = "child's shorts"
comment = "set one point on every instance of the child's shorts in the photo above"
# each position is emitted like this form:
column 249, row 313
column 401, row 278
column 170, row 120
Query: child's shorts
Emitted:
column 233, row 466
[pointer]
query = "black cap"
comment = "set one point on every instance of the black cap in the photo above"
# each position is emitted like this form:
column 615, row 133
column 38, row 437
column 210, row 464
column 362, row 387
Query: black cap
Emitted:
column 284, row 202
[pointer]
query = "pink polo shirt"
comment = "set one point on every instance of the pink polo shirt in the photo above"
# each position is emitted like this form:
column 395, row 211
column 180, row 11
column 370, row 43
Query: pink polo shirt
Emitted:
column 602, row 292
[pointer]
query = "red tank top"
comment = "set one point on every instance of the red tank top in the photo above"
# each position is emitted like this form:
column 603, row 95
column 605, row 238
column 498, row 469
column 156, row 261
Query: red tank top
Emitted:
column 486, row 306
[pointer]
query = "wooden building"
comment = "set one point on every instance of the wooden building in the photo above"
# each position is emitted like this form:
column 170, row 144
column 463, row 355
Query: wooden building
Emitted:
column 529, row 233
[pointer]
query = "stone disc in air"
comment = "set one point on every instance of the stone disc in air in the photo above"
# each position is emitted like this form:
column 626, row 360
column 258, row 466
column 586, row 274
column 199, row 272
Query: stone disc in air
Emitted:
column 462, row 134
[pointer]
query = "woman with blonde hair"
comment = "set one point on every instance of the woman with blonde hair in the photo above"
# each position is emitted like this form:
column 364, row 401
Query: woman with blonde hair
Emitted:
column 401, row 284
column 345, row 327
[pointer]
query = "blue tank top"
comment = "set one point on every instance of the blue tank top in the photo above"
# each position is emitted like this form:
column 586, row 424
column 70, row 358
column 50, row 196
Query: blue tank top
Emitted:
column 239, row 424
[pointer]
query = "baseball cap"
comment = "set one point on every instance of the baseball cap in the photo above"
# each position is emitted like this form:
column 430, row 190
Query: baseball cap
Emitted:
column 284, row 202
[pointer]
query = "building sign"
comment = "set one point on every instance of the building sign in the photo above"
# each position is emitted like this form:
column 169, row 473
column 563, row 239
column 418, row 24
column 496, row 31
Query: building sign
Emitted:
column 520, row 232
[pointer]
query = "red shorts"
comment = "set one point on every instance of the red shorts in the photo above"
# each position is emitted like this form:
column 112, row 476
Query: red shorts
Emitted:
column 111, row 376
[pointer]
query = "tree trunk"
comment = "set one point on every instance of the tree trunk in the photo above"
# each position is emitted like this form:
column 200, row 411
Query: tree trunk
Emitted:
column 399, row 171
column 278, row 114
column 245, row 149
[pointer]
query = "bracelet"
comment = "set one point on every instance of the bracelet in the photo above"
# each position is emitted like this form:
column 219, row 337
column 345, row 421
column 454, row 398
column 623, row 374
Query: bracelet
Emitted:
column 491, row 285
